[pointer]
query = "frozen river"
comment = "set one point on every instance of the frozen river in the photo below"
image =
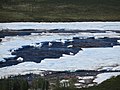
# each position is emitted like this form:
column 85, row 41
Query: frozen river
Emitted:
column 87, row 59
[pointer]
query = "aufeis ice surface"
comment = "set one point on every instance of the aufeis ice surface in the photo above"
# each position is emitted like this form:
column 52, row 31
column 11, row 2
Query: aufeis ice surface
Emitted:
column 16, row 42
column 62, row 25
column 88, row 59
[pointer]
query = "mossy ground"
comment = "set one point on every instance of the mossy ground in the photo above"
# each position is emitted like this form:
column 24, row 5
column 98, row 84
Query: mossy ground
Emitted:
column 59, row 10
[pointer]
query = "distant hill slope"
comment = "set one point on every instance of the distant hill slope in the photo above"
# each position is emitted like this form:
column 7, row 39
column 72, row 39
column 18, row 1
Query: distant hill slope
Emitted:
column 59, row 10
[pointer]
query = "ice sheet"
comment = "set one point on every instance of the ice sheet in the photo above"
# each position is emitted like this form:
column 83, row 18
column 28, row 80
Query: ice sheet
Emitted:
column 62, row 25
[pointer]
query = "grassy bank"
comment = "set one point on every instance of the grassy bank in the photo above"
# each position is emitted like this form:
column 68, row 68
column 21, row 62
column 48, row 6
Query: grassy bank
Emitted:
column 40, row 83
column 59, row 10
column 110, row 84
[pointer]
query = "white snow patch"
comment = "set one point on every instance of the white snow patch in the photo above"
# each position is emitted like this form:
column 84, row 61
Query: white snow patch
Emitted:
column 104, row 76
column 2, row 60
column 108, row 68
column 81, row 81
column 88, row 77
column 50, row 44
column 116, row 68
column 63, row 81
column 20, row 59
column 22, row 69
column 70, row 46
column 118, row 41
column 77, row 84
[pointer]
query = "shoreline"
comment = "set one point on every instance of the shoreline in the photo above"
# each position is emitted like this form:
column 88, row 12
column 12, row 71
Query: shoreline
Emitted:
column 63, row 21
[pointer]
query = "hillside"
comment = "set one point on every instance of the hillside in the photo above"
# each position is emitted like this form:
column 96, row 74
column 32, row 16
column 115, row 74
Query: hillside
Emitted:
column 59, row 10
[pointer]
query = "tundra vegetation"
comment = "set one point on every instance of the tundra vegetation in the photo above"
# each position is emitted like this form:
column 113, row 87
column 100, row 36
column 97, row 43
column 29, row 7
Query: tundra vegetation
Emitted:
column 59, row 10
column 40, row 83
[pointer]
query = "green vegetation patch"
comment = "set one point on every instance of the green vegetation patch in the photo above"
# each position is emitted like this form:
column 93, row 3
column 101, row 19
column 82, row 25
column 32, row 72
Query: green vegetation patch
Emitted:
column 59, row 10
